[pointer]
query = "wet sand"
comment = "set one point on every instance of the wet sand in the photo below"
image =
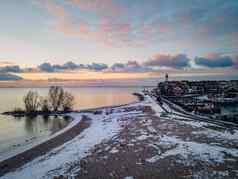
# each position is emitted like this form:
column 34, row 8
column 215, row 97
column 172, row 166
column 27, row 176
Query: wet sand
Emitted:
column 41, row 149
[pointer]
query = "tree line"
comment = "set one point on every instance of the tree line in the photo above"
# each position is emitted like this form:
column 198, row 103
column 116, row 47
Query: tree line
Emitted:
column 57, row 100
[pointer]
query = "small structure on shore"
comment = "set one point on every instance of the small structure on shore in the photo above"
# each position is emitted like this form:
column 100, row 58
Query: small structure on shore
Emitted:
column 166, row 77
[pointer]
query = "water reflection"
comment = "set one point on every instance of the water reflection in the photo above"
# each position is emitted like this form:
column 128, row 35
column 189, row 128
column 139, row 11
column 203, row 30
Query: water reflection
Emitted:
column 53, row 124
column 29, row 124
column 25, row 130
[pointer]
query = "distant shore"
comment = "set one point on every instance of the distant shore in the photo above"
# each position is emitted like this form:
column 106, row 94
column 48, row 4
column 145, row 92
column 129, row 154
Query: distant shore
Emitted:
column 124, row 83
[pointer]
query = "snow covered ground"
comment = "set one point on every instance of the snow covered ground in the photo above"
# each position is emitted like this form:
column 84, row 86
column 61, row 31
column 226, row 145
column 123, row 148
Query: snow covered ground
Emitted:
column 140, row 139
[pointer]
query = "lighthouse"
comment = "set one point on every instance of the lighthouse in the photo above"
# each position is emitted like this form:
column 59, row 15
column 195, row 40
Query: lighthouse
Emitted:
column 166, row 77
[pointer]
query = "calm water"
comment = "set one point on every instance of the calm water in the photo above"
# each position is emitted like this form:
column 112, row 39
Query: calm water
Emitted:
column 17, row 134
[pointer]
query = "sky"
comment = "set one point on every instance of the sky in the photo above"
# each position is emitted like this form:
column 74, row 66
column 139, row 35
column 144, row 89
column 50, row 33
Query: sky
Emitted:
column 150, row 34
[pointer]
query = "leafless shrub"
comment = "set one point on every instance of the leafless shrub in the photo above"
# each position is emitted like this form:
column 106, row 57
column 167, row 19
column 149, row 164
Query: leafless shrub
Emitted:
column 60, row 99
column 31, row 101
column 44, row 105
column 56, row 95
column 68, row 101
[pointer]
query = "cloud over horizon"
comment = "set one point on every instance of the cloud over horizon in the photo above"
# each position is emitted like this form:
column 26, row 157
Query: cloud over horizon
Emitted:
column 179, row 61
column 130, row 66
column 48, row 67
column 215, row 61
column 11, row 68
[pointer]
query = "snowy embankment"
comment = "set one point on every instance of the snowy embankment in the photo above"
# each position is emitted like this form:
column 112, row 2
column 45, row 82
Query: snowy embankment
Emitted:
column 58, row 161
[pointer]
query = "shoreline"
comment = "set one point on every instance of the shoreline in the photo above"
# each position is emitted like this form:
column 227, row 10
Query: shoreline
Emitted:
column 24, row 157
column 18, row 160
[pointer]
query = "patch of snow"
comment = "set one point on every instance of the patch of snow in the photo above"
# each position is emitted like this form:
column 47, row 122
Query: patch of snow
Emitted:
column 200, row 151
column 197, row 124
column 210, row 174
column 203, row 98
column 114, row 150
column 167, row 108
column 223, row 135
column 130, row 145
column 144, row 137
column 154, row 146
column 129, row 177
column 154, row 105
column 151, row 129
column 153, row 159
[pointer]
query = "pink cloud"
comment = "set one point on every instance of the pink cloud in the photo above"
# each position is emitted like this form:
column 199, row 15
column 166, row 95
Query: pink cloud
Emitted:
column 212, row 55
column 178, row 61
column 55, row 9
column 164, row 28
column 110, row 30
column 99, row 6
column 68, row 28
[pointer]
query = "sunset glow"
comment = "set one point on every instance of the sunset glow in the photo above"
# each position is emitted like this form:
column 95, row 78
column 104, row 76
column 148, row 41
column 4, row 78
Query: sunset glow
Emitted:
column 156, row 34
column 82, row 75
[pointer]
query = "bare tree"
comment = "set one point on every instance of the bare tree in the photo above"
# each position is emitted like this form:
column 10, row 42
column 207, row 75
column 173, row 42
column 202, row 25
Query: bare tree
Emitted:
column 31, row 101
column 44, row 104
column 60, row 99
column 56, row 95
column 68, row 101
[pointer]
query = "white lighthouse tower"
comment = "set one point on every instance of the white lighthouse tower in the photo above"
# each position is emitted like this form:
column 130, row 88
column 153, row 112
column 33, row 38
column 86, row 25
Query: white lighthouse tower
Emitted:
column 166, row 77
